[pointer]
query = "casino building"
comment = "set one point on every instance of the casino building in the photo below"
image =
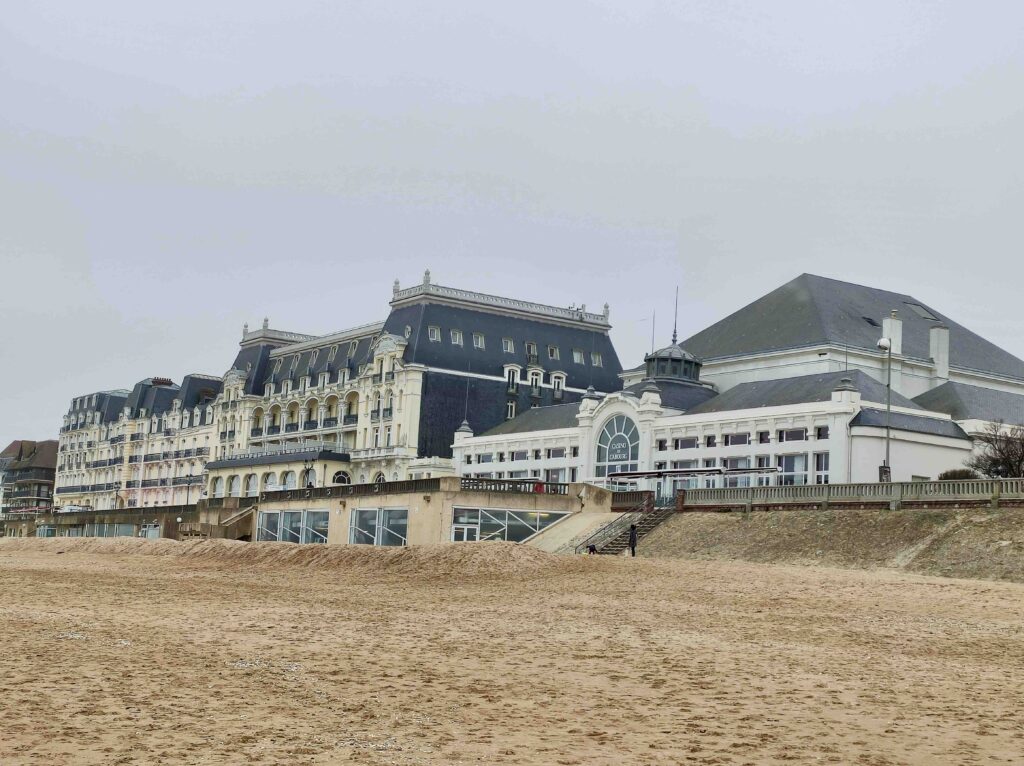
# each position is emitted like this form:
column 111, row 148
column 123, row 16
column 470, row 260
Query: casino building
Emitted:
column 788, row 390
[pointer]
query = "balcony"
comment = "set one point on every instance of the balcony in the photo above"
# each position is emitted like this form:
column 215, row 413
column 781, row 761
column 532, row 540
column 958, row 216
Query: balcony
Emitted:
column 377, row 378
column 152, row 456
column 532, row 359
column 135, row 437
column 513, row 388
column 386, row 413
column 132, row 484
column 182, row 481
column 330, row 422
column 388, row 377
column 291, row 428
column 350, row 420
column 201, row 451
column 231, row 434
column 135, row 458
column 310, row 425
column 116, row 439
column 223, row 435
column 273, row 430
column 374, row 414
column 256, row 432
column 535, row 392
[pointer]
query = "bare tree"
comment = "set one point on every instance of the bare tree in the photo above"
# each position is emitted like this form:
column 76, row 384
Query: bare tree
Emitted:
column 999, row 451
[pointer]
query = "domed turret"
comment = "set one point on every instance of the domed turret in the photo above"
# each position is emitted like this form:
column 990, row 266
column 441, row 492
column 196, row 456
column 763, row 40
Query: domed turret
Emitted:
column 673, row 362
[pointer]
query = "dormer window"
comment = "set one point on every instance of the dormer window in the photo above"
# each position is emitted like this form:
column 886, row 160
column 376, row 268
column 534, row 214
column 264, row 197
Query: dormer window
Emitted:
column 352, row 348
column 595, row 359
column 557, row 382
column 577, row 356
column 553, row 353
column 535, row 379
column 508, row 346
column 313, row 356
column 277, row 366
column 332, row 353
column 268, row 389
column 434, row 334
column 456, row 337
column 324, row 376
column 531, row 348
column 478, row 340
column 295, row 362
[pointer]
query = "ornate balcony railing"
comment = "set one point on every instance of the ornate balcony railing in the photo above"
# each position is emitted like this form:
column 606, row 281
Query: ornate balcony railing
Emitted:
column 350, row 420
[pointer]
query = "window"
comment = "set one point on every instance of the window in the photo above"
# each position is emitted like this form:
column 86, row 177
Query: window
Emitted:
column 553, row 352
column 688, row 442
column 536, row 454
column 341, row 477
column 510, row 410
column 575, row 451
column 595, row 359
column 512, row 376
column 471, row 524
column 557, row 382
column 353, row 347
column 434, row 334
column 332, row 353
column 508, row 346
column 456, row 337
column 313, row 356
column 764, row 437
column 792, row 469
column 556, row 452
column 764, row 462
column 293, row 526
column 577, row 356
column 535, row 378
column 618, row 446
column 520, row 455
column 531, row 348
column 821, row 432
column 736, row 440
column 379, row 526
column 922, row 312
column 710, row 441
column 478, row 340
column 484, row 458
column 737, row 464
column 793, row 435
column 821, row 468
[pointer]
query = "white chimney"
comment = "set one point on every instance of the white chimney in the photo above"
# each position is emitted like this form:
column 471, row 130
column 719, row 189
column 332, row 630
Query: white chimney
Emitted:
column 938, row 349
column 892, row 328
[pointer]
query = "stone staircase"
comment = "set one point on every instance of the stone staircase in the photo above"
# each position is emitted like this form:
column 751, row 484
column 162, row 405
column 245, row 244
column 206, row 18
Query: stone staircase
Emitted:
column 234, row 527
column 613, row 539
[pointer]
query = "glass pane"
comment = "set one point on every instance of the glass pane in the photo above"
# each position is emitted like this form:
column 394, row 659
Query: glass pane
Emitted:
column 465, row 516
column 315, row 530
column 520, row 526
column 492, row 525
column 291, row 526
column 394, row 527
column 364, row 527
column 268, row 527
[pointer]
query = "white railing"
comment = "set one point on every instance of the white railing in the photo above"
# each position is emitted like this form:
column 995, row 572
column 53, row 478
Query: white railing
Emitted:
column 803, row 493
column 495, row 300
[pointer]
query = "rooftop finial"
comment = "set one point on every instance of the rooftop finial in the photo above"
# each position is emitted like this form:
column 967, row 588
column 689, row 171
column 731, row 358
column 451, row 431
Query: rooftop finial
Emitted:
column 245, row 329
column 675, row 321
column 266, row 323
column 606, row 311
column 426, row 277
column 395, row 288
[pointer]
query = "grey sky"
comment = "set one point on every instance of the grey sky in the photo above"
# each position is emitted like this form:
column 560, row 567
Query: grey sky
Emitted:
column 168, row 172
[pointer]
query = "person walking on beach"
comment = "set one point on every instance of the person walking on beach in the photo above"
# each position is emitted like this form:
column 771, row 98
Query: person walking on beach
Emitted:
column 632, row 540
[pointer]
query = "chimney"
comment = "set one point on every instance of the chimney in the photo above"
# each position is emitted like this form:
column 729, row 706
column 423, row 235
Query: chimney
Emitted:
column 846, row 391
column 938, row 349
column 892, row 328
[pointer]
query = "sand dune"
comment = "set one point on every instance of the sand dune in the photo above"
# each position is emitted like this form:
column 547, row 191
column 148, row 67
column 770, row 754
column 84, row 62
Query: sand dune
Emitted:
column 222, row 653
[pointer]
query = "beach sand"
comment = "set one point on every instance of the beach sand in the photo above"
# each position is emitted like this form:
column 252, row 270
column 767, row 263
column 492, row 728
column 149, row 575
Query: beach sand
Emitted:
column 494, row 654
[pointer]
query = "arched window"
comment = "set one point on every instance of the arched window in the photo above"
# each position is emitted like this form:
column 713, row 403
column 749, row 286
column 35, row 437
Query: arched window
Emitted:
column 218, row 487
column 309, row 478
column 234, row 486
column 379, row 478
column 618, row 446
column 341, row 478
column 288, row 480
column 268, row 481
column 252, row 487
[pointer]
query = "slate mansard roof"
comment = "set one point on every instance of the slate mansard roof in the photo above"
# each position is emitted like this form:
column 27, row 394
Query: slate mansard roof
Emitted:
column 965, row 402
column 494, row 325
column 901, row 421
column 800, row 390
column 812, row 310
column 551, row 418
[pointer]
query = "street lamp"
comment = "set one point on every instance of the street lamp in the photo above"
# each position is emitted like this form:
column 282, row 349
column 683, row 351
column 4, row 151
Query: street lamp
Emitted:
column 884, row 344
column 307, row 466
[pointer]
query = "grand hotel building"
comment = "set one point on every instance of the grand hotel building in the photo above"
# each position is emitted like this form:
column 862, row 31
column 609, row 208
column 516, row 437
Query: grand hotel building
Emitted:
column 378, row 402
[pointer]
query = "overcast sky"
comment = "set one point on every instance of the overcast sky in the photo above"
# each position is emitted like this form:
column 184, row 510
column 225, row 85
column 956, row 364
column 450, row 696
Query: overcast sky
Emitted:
column 170, row 171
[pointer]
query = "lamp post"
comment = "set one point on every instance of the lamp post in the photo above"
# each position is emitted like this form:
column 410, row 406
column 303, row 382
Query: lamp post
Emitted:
column 884, row 344
column 307, row 466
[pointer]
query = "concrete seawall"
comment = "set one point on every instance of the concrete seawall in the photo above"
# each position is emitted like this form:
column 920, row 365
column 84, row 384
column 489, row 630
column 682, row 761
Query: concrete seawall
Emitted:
column 977, row 543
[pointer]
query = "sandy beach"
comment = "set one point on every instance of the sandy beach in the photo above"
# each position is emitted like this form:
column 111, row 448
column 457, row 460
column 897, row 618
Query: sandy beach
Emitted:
column 495, row 654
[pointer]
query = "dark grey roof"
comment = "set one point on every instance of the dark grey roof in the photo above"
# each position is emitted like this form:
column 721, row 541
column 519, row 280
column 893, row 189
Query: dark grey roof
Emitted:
column 812, row 310
column 539, row 419
column 902, row 422
column 154, row 398
column 676, row 394
column 297, row 365
column 965, row 402
column 806, row 388
column 446, row 355
column 674, row 351
column 315, row 455
column 197, row 390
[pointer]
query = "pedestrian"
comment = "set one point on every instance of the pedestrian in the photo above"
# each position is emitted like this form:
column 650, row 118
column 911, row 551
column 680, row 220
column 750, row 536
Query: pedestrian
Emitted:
column 591, row 550
column 632, row 540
